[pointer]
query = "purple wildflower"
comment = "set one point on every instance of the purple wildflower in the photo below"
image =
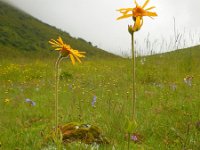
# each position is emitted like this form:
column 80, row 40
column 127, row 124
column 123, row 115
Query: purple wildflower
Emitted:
column 29, row 101
column 94, row 100
column 134, row 138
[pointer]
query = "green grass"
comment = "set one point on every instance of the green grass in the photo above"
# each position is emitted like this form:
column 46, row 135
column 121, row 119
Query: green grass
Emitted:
column 166, row 118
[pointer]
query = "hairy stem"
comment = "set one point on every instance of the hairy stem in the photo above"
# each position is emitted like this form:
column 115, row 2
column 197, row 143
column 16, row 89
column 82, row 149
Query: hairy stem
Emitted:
column 56, row 92
column 133, row 78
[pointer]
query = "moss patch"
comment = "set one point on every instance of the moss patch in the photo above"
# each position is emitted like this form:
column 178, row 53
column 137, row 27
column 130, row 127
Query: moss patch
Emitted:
column 86, row 133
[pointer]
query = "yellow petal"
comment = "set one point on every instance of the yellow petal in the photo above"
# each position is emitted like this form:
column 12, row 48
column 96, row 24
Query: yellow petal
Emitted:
column 80, row 55
column 145, row 4
column 82, row 52
column 138, row 24
column 77, row 53
column 72, row 58
column 55, row 42
column 150, row 14
column 58, row 49
column 77, row 58
column 51, row 41
column 136, row 3
column 150, row 8
column 124, row 16
column 60, row 40
column 137, row 21
column 124, row 11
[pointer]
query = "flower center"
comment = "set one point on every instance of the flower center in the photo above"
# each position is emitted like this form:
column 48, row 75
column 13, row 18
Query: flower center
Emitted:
column 138, row 11
column 65, row 51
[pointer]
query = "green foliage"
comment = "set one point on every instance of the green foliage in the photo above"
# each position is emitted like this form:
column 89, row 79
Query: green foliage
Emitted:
column 65, row 76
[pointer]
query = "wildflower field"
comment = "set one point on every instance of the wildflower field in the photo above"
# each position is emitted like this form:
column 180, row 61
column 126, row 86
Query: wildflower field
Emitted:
column 99, row 92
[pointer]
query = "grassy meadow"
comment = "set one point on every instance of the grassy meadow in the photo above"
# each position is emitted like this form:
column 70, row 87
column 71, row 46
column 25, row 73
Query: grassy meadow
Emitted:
column 167, row 108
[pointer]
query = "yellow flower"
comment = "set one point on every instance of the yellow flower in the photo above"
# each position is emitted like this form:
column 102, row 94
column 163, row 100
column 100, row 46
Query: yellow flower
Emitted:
column 137, row 11
column 6, row 100
column 137, row 14
column 66, row 50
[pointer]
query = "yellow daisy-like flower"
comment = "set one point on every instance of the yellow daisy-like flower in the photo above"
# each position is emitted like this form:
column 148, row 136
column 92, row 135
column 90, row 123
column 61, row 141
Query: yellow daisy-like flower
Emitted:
column 66, row 50
column 137, row 11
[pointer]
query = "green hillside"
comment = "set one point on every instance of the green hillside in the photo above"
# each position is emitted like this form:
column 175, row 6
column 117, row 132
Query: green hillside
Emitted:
column 22, row 33
column 182, row 58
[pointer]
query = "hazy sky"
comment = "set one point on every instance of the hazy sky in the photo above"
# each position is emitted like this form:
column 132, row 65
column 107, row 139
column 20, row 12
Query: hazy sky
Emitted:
column 95, row 20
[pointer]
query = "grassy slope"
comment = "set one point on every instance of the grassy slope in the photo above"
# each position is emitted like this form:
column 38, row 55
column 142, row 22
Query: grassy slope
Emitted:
column 21, row 33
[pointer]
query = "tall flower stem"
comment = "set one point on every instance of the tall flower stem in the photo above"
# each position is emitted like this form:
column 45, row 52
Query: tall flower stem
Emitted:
column 133, row 78
column 129, row 135
column 56, row 92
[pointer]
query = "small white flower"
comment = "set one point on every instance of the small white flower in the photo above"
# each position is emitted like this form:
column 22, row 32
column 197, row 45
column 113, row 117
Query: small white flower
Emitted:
column 142, row 61
column 173, row 86
column 188, row 80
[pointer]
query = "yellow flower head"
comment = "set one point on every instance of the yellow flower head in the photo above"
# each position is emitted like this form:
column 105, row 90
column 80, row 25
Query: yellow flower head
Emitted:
column 137, row 14
column 137, row 11
column 66, row 50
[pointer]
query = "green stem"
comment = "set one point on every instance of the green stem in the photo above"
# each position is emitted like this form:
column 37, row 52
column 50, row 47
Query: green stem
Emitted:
column 133, row 78
column 56, row 93
column 129, row 135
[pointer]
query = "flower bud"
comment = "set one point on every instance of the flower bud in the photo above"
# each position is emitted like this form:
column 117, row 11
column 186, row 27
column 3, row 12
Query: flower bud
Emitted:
column 130, row 29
